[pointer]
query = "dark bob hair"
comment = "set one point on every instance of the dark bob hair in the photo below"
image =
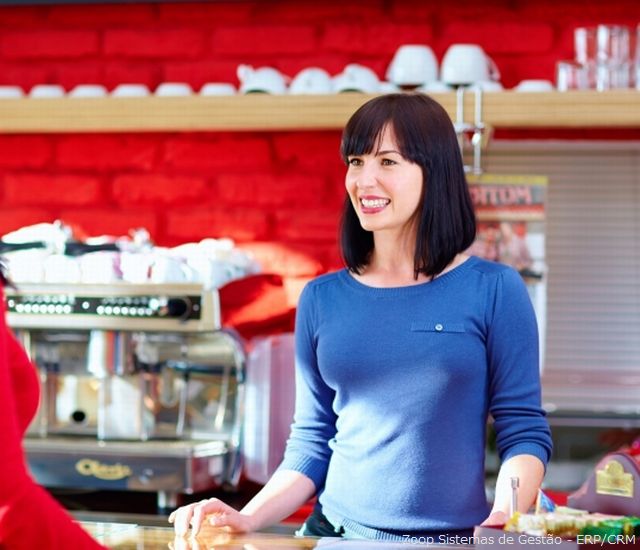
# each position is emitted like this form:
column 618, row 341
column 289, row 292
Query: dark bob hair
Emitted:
column 425, row 136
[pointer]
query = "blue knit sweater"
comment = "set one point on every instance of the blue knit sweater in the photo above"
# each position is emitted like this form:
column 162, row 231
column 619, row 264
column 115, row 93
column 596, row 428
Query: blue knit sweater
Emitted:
column 394, row 386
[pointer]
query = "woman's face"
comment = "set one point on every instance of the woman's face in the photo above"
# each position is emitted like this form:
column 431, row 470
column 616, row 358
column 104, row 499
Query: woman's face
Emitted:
column 385, row 189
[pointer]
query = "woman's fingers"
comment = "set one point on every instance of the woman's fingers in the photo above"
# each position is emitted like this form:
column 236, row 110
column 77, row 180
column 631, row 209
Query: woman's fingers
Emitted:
column 226, row 516
column 203, row 508
column 181, row 519
column 232, row 520
column 194, row 515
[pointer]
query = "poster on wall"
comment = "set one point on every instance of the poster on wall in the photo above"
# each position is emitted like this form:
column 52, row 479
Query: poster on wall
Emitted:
column 510, row 210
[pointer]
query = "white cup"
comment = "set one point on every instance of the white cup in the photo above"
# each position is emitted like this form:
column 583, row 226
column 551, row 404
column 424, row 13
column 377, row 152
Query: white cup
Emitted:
column 356, row 78
column 265, row 79
column 166, row 269
column 98, row 267
column 465, row 64
column 61, row 269
column 135, row 266
column 27, row 266
column 312, row 80
column 88, row 90
column 130, row 90
column 413, row 65
column 11, row 92
column 534, row 85
column 174, row 89
column 218, row 88
column 46, row 91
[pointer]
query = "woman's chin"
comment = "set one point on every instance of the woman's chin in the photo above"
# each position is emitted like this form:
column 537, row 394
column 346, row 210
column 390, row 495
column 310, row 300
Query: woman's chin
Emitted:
column 368, row 224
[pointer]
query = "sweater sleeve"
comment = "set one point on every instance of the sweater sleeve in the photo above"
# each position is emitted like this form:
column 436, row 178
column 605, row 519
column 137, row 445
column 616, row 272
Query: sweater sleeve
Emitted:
column 29, row 516
column 308, row 450
column 514, row 384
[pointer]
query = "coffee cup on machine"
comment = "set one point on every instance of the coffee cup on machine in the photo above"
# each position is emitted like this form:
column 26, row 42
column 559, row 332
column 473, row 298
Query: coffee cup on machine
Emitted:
column 465, row 64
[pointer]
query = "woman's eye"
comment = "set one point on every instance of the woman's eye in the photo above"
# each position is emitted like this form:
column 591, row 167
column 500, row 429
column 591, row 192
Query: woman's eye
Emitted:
column 388, row 162
column 354, row 162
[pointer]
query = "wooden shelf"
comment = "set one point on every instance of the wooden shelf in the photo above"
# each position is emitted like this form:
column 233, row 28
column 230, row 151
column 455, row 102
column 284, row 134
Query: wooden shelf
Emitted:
column 266, row 112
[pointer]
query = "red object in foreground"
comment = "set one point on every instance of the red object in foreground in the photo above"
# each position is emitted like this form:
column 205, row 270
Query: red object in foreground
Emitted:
column 559, row 497
column 301, row 514
column 256, row 305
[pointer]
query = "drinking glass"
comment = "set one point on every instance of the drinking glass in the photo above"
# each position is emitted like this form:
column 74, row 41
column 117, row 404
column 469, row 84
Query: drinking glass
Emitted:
column 571, row 75
column 613, row 44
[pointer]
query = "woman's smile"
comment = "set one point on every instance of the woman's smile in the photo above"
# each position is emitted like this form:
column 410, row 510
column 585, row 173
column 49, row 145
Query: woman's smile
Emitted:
column 371, row 204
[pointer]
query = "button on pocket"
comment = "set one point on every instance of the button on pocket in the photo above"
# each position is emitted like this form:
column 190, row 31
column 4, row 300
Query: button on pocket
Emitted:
column 437, row 326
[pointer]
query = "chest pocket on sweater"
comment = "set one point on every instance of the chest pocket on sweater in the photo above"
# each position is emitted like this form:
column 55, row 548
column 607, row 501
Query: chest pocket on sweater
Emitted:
column 443, row 327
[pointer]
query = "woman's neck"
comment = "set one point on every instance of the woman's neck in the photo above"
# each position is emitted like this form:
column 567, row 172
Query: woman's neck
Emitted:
column 391, row 263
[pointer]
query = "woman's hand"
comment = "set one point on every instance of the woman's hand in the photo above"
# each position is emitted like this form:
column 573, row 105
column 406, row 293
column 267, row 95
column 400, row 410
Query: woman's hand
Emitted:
column 495, row 518
column 212, row 511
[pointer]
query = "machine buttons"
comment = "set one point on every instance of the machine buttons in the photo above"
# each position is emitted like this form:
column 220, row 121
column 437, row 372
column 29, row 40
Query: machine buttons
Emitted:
column 178, row 307
column 165, row 306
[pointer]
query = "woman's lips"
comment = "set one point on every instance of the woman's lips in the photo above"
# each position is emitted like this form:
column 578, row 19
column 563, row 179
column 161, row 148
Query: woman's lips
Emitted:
column 373, row 205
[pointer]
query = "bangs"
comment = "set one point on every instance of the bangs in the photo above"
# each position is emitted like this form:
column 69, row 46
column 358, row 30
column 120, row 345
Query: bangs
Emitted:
column 363, row 133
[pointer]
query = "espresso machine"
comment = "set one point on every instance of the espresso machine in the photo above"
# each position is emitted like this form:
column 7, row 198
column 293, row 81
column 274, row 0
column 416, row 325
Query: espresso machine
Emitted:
column 141, row 388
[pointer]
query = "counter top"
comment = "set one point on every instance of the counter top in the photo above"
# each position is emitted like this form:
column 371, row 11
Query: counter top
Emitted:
column 135, row 537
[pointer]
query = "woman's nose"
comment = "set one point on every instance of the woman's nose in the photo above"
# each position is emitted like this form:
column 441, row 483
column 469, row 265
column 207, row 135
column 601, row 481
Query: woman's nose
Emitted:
column 367, row 177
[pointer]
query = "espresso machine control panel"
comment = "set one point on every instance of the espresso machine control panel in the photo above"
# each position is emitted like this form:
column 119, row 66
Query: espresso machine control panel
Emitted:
column 153, row 307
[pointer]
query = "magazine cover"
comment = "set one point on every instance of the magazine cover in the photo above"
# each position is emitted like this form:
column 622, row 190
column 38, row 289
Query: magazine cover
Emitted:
column 511, row 211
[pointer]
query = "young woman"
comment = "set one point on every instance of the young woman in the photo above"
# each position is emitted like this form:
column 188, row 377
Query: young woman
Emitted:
column 403, row 355
column 29, row 516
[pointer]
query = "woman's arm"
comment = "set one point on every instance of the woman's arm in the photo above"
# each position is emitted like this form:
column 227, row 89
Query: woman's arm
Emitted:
column 529, row 470
column 283, row 494
column 523, row 438
column 307, row 456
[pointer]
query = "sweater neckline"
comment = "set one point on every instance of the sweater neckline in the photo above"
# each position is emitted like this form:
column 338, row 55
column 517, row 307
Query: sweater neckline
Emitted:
column 395, row 291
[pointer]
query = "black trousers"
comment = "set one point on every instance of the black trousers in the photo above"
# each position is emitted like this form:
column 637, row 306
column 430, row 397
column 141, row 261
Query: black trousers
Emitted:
column 317, row 525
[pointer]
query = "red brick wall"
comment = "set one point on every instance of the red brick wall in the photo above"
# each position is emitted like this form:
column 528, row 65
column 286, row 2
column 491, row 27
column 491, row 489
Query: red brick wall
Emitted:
column 283, row 187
